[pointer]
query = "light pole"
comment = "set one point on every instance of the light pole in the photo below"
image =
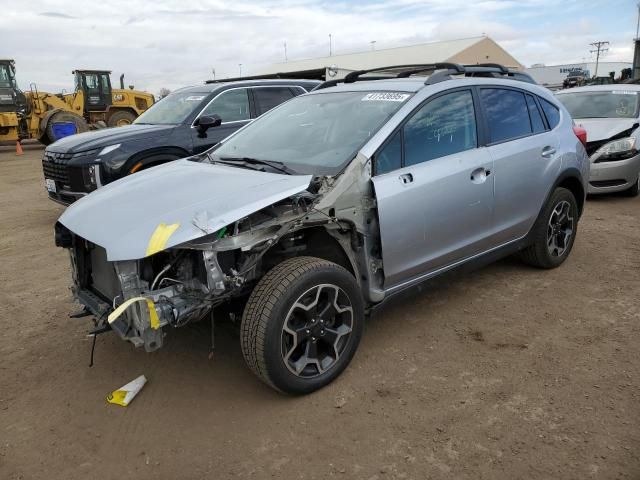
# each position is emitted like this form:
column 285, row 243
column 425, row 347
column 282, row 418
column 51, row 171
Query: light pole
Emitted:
column 213, row 70
column 330, row 46
column 285, row 52
column 240, row 67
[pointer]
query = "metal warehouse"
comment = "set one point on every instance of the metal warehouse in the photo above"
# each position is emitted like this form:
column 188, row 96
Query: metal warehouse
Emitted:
column 465, row 50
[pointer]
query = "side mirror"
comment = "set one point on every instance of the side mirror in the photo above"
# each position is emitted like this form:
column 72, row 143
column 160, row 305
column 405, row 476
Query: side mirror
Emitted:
column 206, row 122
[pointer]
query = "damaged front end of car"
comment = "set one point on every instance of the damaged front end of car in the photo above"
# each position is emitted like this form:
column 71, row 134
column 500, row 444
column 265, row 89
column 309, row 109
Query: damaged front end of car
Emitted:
column 140, row 271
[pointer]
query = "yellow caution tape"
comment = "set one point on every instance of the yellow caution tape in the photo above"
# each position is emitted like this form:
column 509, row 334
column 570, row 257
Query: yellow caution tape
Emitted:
column 160, row 237
column 153, row 315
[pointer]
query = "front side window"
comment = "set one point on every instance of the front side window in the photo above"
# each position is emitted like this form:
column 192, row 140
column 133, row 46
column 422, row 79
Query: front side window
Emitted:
column 268, row 97
column 316, row 134
column 507, row 114
column 91, row 81
column 444, row 126
column 601, row 104
column 230, row 106
column 173, row 109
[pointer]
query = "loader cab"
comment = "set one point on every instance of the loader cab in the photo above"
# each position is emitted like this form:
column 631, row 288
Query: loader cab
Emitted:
column 96, row 88
column 11, row 98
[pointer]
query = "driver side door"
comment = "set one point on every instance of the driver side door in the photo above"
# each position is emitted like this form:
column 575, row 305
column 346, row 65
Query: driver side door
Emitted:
column 233, row 107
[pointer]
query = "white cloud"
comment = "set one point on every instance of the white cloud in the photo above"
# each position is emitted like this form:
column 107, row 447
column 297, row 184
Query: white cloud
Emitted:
column 171, row 43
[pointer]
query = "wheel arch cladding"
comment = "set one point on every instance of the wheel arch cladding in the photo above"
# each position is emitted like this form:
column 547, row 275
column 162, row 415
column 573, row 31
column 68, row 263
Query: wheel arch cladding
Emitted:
column 572, row 183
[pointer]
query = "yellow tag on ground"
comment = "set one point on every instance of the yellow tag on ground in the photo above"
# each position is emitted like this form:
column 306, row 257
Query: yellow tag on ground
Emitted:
column 117, row 397
column 160, row 237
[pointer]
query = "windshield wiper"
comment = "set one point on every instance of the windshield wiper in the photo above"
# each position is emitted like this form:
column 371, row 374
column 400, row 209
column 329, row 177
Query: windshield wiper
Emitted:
column 281, row 167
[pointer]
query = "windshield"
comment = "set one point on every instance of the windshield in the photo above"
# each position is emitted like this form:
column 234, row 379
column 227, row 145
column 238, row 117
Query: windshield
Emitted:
column 612, row 104
column 6, row 76
column 172, row 109
column 314, row 134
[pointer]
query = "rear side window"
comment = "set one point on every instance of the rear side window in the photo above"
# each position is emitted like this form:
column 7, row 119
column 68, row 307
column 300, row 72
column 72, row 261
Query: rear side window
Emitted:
column 551, row 112
column 444, row 126
column 267, row 98
column 507, row 114
column 536, row 116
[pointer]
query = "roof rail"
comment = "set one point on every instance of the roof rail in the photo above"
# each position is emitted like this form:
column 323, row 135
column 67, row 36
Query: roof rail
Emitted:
column 444, row 72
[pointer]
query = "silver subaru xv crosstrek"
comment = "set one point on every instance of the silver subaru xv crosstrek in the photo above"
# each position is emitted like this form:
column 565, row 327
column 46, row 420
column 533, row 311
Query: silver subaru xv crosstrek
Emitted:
column 306, row 219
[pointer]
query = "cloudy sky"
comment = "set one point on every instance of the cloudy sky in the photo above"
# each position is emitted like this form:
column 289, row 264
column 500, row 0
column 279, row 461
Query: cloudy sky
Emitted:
column 171, row 43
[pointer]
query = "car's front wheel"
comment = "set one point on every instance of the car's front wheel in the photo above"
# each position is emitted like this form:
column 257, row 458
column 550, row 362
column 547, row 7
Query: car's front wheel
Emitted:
column 554, row 232
column 302, row 324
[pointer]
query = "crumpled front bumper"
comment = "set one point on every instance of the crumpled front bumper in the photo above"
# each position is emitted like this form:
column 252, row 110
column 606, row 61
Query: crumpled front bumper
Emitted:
column 609, row 177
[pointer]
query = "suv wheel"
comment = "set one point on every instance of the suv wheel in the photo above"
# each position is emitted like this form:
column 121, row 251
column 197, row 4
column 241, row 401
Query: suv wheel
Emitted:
column 302, row 324
column 554, row 232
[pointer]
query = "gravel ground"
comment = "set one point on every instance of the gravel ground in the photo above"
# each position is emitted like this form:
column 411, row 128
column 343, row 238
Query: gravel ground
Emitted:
column 507, row 372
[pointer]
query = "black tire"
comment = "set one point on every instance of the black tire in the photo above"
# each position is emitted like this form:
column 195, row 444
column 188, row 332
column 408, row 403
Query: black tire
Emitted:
column 269, row 349
column 67, row 117
column 121, row 118
column 634, row 190
column 541, row 253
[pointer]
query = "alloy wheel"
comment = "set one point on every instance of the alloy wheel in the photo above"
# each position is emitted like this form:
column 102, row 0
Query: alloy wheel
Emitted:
column 560, row 229
column 316, row 330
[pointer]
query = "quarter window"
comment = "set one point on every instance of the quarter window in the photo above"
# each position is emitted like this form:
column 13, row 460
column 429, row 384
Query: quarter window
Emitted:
column 268, row 97
column 551, row 112
column 536, row 117
column 390, row 157
column 507, row 114
column 444, row 126
column 230, row 106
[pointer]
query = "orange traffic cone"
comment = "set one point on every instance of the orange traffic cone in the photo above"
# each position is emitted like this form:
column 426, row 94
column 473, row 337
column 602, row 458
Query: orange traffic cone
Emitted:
column 19, row 149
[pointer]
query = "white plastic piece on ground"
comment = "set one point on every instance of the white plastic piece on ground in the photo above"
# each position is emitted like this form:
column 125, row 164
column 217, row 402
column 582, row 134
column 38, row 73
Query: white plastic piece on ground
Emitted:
column 125, row 394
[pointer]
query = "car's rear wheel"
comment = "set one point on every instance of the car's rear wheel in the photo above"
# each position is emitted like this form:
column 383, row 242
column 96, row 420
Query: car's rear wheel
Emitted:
column 554, row 231
column 302, row 324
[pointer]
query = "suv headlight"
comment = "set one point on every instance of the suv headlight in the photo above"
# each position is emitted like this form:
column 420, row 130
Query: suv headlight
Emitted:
column 90, row 176
column 616, row 150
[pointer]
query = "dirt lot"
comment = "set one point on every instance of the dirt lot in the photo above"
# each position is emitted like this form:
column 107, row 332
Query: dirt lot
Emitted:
column 508, row 372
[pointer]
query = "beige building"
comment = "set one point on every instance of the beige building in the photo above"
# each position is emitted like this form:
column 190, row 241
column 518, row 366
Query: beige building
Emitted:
column 465, row 51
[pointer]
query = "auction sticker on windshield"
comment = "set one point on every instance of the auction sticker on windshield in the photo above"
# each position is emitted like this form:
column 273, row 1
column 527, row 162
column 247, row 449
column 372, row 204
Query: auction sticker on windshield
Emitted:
column 385, row 97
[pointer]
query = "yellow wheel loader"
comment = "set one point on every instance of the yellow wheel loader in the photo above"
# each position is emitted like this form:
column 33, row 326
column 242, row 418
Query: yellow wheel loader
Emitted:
column 48, row 117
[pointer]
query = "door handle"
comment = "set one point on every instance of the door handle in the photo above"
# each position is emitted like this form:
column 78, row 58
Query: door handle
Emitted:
column 406, row 178
column 479, row 175
column 548, row 151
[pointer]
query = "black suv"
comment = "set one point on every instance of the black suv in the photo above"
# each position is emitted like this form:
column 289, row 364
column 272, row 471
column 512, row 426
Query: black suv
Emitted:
column 186, row 122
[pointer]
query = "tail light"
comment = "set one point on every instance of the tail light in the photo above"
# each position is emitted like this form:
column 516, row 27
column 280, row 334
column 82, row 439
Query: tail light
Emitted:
column 581, row 133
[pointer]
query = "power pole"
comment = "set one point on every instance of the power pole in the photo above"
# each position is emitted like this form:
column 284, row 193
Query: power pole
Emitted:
column 240, row 67
column 600, row 47
column 285, row 52
column 330, row 46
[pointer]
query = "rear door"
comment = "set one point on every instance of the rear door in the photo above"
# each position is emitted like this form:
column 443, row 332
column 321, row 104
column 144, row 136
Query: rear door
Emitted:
column 434, row 189
column 232, row 106
column 524, row 151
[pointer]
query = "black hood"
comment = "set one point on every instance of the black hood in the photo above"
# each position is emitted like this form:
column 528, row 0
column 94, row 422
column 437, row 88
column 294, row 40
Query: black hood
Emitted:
column 108, row 136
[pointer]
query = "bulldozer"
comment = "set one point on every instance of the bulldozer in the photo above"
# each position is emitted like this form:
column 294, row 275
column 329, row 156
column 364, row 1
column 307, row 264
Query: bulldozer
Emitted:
column 48, row 117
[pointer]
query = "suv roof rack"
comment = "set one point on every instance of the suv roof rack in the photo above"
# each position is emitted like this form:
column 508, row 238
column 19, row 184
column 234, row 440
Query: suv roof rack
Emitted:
column 445, row 70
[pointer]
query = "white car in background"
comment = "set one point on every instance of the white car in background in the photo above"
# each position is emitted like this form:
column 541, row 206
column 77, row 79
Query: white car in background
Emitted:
column 611, row 115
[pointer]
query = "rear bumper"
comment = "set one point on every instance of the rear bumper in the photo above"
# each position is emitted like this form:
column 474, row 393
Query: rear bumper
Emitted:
column 608, row 177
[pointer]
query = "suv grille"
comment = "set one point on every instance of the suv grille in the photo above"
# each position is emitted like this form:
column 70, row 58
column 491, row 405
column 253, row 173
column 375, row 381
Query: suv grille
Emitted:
column 55, row 167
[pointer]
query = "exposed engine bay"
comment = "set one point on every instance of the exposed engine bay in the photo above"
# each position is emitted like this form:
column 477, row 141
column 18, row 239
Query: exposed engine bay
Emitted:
column 332, row 219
